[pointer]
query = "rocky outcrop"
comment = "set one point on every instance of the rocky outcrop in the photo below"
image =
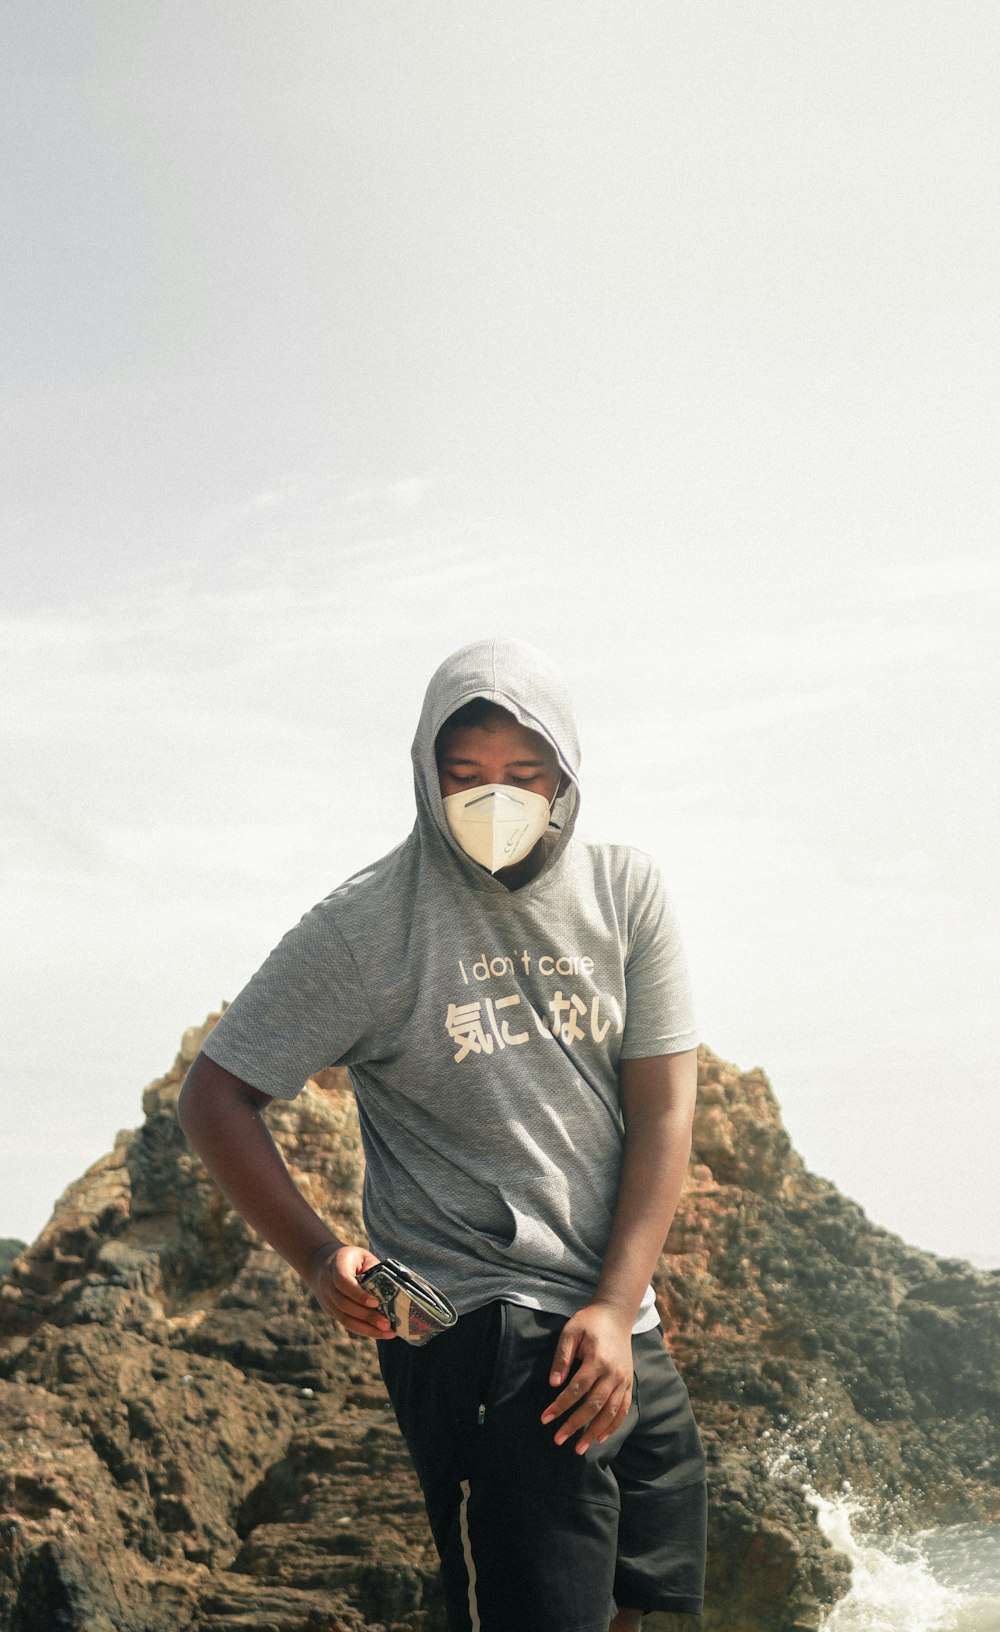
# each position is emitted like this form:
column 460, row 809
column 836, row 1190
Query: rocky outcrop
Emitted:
column 187, row 1443
column 821, row 1352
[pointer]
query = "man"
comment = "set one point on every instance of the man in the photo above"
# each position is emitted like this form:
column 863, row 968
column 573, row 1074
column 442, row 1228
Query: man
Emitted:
column 513, row 1008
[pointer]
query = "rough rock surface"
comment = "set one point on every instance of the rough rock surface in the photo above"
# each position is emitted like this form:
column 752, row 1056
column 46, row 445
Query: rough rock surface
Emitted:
column 186, row 1443
column 9, row 1250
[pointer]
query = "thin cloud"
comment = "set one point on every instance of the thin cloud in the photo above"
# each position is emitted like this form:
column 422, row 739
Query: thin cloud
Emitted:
column 410, row 493
column 953, row 575
column 41, row 837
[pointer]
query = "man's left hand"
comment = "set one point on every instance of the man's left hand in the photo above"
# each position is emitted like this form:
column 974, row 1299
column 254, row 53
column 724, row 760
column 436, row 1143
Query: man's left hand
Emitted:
column 597, row 1340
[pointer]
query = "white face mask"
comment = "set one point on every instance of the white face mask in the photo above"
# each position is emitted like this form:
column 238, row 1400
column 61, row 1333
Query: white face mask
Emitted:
column 497, row 825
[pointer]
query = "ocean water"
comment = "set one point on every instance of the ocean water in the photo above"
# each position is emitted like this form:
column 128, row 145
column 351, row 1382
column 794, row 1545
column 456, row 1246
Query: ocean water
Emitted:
column 936, row 1581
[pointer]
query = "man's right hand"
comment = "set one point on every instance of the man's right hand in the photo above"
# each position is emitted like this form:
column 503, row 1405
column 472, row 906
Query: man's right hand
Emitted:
column 334, row 1281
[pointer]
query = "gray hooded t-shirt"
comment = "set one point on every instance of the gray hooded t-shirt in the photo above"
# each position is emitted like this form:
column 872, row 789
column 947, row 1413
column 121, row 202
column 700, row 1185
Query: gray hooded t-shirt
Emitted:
column 482, row 1027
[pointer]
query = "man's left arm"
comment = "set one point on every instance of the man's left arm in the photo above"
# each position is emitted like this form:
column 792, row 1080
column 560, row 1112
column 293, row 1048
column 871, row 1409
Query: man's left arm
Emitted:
column 658, row 1099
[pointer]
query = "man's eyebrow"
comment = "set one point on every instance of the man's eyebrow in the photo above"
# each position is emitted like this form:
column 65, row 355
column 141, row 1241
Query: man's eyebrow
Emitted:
column 509, row 764
column 468, row 759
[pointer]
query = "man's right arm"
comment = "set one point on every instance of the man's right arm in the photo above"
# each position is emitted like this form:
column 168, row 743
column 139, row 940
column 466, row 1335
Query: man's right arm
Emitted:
column 220, row 1114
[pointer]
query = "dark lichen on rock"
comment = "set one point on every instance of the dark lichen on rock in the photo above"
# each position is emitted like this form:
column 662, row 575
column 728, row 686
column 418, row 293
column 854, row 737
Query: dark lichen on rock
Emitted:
column 9, row 1250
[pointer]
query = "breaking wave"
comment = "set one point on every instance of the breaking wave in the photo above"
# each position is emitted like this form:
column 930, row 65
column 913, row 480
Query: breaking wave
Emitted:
column 942, row 1580
column 936, row 1581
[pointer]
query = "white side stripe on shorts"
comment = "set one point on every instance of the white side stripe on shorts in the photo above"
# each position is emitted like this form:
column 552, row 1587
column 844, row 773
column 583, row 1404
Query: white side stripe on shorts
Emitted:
column 470, row 1563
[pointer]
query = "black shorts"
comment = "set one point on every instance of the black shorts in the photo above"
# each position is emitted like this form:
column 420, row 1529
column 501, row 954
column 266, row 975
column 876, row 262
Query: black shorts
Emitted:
column 532, row 1536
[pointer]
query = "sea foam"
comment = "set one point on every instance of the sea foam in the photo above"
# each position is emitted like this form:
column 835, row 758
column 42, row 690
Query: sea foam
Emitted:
column 936, row 1581
column 943, row 1580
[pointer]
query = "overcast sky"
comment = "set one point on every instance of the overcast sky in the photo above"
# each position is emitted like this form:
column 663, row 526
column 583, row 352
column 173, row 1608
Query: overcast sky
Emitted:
column 664, row 336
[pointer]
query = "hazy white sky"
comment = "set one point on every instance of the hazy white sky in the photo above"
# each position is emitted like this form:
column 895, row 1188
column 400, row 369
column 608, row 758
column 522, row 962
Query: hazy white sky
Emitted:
column 663, row 336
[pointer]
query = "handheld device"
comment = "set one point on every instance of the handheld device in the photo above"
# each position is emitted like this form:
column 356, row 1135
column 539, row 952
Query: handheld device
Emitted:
column 414, row 1308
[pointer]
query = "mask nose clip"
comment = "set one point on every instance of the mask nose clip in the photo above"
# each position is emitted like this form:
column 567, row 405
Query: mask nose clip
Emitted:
column 497, row 825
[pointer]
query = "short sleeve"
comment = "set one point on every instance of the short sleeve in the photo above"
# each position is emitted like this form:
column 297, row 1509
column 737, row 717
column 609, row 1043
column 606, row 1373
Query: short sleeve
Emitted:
column 302, row 1011
column 659, row 1016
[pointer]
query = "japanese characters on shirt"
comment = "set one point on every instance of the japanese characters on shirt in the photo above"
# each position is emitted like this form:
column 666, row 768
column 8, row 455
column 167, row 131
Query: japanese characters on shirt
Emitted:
column 484, row 1021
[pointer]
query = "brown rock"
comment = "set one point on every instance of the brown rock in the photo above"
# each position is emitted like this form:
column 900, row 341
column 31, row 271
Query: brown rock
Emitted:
column 188, row 1443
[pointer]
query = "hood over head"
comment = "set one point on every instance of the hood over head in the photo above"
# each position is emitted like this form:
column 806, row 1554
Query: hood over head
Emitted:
column 522, row 680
